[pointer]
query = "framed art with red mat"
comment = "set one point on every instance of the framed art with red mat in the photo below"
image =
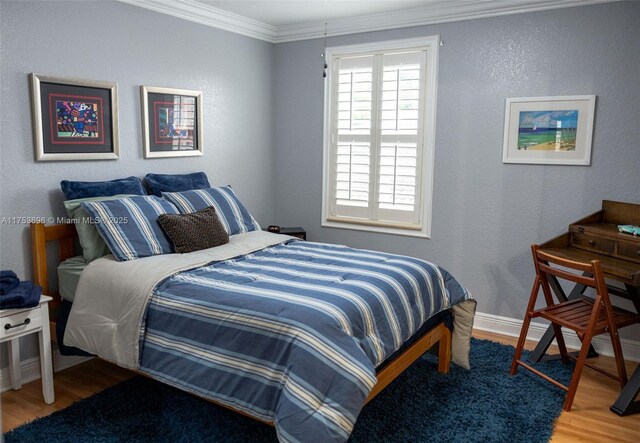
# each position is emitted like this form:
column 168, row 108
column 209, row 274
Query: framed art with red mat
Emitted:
column 74, row 119
column 171, row 122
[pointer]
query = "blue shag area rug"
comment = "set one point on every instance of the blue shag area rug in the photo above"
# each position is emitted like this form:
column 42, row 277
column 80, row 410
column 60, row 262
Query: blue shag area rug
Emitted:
column 421, row 405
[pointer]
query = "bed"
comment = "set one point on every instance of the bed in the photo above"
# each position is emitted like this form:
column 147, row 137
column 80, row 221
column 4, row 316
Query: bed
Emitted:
column 299, row 335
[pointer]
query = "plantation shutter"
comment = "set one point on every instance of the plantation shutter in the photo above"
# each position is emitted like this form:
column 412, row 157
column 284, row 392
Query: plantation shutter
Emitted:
column 376, row 138
column 353, row 160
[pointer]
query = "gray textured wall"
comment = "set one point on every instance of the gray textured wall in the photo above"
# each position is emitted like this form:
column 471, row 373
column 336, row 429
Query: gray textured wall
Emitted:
column 485, row 213
column 131, row 46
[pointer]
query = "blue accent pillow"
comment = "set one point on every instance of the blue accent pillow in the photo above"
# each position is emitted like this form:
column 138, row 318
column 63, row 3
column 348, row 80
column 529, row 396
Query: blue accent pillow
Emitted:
column 129, row 226
column 235, row 218
column 75, row 190
column 159, row 183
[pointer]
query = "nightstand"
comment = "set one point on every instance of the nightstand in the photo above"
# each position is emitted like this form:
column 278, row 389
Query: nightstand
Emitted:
column 16, row 323
column 294, row 232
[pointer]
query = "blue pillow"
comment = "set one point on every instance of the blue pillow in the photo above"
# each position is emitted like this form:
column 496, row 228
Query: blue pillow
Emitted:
column 235, row 218
column 129, row 226
column 74, row 190
column 159, row 183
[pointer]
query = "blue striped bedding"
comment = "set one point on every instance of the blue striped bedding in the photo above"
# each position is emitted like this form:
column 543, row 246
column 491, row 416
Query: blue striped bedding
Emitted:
column 291, row 333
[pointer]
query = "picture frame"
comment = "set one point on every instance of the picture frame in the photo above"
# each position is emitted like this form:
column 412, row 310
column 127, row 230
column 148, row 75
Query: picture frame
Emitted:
column 74, row 119
column 549, row 130
column 171, row 122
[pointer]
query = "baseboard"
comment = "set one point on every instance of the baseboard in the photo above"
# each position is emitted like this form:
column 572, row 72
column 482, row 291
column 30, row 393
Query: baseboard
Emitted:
column 511, row 327
column 31, row 368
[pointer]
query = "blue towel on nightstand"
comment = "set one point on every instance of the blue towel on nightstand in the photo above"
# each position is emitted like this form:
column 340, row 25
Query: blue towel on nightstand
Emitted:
column 25, row 295
column 8, row 281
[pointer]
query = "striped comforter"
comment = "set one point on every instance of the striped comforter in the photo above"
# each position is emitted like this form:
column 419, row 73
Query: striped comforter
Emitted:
column 291, row 333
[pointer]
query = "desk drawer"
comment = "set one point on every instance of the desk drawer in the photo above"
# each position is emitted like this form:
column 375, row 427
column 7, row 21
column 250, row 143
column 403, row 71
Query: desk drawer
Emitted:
column 22, row 321
column 629, row 251
column 596, row 244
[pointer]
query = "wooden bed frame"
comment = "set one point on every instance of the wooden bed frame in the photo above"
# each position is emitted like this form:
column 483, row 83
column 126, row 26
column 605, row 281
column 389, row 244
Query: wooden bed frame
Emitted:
column 65, row 235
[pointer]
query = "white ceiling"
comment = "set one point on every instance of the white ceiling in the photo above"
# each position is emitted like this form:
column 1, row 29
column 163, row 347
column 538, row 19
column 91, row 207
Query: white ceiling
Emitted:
column 279, row 21
column 281, row 13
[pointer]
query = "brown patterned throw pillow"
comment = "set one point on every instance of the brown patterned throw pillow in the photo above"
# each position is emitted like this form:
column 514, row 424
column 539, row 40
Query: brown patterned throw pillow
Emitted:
column 195, row 231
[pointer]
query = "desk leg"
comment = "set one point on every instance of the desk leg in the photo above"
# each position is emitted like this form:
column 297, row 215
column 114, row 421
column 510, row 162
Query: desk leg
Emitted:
column 626, row 403
column 15, row 373
column 46, row 367
column 634, row 292
column 542, row 346
column 538, row 354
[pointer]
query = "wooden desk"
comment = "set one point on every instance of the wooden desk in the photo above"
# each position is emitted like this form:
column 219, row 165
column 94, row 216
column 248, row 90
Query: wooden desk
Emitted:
column 596, row 237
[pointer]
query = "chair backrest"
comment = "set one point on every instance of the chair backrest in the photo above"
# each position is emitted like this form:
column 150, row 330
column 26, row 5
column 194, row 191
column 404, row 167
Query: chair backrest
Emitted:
column 588, row 274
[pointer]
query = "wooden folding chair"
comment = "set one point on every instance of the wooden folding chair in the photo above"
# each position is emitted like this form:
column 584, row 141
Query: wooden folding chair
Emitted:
column 586, row 316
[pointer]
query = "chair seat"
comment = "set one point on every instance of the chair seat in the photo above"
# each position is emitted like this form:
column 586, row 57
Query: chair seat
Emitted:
column 575, row 315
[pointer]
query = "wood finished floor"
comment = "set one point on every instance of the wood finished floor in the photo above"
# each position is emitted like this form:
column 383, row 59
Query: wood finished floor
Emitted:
column 588, row 421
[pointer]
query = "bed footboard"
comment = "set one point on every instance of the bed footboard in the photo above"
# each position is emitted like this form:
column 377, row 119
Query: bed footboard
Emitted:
column 439, row 334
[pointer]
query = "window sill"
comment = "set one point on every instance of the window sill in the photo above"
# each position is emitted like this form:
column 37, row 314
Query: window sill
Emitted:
column 378, row 229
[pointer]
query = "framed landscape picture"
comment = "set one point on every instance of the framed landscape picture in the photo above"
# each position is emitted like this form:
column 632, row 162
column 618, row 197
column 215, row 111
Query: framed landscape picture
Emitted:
column 74, row 119
column 549, row 130
column 171, row 122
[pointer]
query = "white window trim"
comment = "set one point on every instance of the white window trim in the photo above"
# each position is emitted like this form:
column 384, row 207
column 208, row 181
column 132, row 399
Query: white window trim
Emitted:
column 432, row 43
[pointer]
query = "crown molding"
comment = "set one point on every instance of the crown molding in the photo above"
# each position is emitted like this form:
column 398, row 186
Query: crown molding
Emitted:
column 433, row 13
column 442, row 12
column 197, row 12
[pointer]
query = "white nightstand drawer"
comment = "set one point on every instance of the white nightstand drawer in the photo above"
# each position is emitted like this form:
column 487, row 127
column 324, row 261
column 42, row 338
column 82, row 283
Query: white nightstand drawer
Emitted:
column 20, row 323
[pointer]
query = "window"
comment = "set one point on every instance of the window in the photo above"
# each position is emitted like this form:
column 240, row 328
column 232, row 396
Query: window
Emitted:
column 379, row 136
